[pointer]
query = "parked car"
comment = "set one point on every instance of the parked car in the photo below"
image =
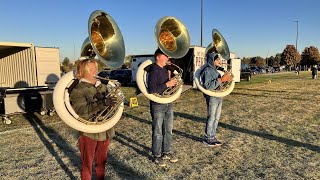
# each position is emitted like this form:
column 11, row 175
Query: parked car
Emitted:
column 254, row 70
column 245, row 72
column 122, row 75
column 105, row 74
column 269, row 69
column 262, row 70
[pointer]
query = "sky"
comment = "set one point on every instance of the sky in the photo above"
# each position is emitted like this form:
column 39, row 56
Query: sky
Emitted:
column 250, row 27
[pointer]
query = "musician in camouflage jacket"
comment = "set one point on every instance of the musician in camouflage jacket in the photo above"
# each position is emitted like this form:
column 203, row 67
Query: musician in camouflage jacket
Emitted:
column 88, row 99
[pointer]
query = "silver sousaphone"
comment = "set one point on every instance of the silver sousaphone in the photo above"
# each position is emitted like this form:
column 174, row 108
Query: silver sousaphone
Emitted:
column 106, row 42
column 173, row 39
column 218, row 46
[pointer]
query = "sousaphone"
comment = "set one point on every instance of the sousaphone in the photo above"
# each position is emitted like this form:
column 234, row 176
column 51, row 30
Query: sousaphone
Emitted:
column 218, row 46
column 106, row 42
column 173, row 39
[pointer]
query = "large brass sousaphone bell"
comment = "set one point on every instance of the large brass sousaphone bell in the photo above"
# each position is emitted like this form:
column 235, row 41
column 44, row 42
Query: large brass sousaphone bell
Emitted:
column 173, row 39
column 106, row 42
column 218, row 46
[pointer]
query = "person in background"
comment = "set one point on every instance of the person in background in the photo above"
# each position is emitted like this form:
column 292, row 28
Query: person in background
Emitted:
column 212, row 79
column 87, row 99
column 162, row 114
column 314, row 72
column 297, row 70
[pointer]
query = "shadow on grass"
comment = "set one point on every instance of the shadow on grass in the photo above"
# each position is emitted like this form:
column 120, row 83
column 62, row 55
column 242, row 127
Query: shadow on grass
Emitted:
column 195, row 138
column 122, row 169
column 251, row 89
column 268, row 96
column 144, row 152
column 40, row 129
column 266, row 93
column 287, row 141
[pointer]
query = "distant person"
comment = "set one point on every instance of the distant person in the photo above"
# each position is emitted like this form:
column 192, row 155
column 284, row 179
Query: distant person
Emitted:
column 212, row 79
column 314, row 72
column 88, row 99
column 162, row 114
column 297, row 70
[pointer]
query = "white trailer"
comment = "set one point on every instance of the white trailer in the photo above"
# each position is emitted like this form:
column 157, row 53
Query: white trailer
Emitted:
column 27, row 77
column 194, row 59
column 136, row 61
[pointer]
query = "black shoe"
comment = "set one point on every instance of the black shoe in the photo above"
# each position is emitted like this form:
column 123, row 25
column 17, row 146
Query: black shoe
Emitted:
column 209, row 143
column 218, row 143
column 212, row 143
column 170, row 157
column 159, row 161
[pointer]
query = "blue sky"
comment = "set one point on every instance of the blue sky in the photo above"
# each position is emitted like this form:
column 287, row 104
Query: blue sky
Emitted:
column 250, row 27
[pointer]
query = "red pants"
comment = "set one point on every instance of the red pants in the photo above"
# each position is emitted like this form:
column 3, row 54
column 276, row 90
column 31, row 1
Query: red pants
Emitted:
column 91, row 149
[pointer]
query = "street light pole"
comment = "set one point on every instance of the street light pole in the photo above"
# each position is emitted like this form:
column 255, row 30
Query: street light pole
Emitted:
column 297, row 35
column 201, row 23
column 296, row 40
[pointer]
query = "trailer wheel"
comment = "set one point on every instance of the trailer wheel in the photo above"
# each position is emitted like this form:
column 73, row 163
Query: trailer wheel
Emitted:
column 6, row 120
column 43, row 112
column 51, row 113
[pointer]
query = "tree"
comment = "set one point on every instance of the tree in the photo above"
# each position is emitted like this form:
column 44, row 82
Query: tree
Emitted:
column 66, row 62
column 277, row 60
column 270, row 61
column 66, row 65
column 290, row 56
column 260, row 62
column 310, row 56
column 246, row 60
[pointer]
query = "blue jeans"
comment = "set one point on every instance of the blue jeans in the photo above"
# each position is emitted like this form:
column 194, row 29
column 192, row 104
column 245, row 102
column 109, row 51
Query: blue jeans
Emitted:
column 162, row 125
column 214, row 105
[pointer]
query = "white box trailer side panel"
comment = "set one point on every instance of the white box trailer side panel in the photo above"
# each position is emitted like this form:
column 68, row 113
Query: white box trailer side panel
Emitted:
column 48, row 65
column 236, row 69
column 136, row 61
column 198, row 61
column 17, row 66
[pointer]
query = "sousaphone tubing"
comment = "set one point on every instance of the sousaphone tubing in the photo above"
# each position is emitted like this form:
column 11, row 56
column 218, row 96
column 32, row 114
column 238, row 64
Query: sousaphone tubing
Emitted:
column 106, row 42
column 173, row 39
column 218, row 46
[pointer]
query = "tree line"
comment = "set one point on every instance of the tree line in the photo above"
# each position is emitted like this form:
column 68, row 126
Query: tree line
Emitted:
column 290, row 58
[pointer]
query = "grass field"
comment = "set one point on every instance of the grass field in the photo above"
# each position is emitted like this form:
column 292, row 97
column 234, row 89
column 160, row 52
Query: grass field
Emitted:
column 269, row 127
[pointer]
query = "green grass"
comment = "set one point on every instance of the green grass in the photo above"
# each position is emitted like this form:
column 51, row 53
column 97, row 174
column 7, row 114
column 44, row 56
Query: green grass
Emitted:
column 269, row 127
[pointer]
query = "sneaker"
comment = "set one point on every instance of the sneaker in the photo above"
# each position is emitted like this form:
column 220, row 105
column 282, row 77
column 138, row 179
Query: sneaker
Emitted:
column 170, row 157
column 218, row 143
column 159, row 161
column 212, row 143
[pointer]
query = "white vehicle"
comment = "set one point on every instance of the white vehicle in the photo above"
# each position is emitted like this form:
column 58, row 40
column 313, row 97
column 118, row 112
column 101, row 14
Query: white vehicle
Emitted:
column 194, row 59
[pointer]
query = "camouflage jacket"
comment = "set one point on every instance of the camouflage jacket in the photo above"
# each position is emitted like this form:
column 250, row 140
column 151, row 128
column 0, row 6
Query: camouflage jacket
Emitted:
column 86, row 105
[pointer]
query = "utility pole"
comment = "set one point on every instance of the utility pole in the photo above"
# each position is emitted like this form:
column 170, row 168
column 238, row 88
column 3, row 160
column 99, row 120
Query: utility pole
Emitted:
column 297, row 35
column 296, row 39
column 201, row 23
